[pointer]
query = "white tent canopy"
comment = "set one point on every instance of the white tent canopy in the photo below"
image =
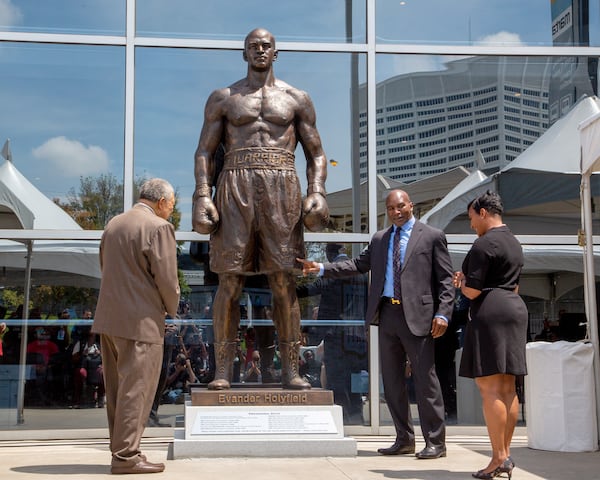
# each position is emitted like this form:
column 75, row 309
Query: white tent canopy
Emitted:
column 22, row 205
column 590, row 144
column 455, row 203
column 73, row 262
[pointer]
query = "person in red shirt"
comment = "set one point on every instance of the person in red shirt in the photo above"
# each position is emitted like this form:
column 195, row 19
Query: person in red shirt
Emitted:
column 43, row 345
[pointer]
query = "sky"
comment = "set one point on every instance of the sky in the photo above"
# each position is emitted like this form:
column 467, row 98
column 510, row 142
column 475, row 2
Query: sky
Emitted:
column 63, row 105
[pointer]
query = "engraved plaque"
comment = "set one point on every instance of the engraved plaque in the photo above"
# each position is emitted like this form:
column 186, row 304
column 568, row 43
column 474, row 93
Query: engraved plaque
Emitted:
column 226, row 422
column 260, row 397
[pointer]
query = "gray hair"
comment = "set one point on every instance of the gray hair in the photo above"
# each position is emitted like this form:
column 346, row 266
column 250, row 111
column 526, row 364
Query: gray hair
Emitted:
column 155, row 189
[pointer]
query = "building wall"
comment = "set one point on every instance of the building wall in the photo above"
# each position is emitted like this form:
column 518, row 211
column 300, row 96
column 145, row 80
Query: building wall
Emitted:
column 115, row 91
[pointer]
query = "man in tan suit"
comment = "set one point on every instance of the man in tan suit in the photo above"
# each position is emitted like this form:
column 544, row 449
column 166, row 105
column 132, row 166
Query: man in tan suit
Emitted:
column 138, row 258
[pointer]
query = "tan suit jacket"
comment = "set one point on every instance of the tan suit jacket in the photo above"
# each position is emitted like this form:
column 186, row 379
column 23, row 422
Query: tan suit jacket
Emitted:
column 139, row 276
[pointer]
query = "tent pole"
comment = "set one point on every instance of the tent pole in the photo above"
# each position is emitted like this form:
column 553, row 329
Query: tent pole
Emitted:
column 590, row 283
column 23, row 356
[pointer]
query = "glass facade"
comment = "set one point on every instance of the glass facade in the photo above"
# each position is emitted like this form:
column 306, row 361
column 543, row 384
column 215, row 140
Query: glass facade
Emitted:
column 327, row 21
column 64, row 17
column 494, row 23
column 98, row 96
column 64, row 113
column 167, row 126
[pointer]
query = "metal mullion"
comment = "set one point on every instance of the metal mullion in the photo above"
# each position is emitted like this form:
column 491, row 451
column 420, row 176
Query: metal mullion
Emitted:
column 64, row 38
column 374, row 390
column 40, row 234
column 210, row 44
column 337, row 237
column 490, row 50
column 167, row 42
column 128, row 165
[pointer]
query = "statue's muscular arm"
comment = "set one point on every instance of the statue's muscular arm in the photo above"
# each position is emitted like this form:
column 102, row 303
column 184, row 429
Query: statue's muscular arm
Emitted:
column 316, row 211
column 210, row 136
column 309, row 138
column 205, row 217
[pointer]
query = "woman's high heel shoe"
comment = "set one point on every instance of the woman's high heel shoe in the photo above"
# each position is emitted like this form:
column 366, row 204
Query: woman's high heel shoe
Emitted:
column 487, row 475
column 507, row 467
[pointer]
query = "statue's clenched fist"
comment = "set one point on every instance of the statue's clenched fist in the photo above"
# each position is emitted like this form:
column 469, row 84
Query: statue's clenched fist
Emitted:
column 205, row 217
column 316, row 212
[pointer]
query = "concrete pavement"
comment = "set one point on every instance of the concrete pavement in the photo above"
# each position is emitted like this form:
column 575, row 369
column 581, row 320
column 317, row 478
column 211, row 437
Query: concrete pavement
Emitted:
column 468, row 451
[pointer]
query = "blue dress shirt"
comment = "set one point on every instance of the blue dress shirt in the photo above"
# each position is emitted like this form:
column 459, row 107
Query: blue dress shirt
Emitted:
column 405, row 231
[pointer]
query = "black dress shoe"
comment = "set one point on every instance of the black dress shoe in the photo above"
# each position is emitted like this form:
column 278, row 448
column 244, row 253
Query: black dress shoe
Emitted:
column 397, row 449
column 432, row 452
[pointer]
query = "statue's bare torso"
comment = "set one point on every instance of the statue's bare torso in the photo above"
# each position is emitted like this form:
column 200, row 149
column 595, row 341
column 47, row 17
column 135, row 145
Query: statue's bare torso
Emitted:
column 263, row 117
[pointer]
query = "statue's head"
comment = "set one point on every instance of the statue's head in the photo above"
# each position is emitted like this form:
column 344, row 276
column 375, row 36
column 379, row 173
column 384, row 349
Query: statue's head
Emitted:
column 259, row 48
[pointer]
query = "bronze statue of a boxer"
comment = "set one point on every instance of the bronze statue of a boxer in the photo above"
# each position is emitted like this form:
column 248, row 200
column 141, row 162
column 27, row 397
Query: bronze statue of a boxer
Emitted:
column 255, row 219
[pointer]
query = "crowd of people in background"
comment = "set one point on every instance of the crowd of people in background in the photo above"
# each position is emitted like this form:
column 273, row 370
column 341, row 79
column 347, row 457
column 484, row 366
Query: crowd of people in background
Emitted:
column 66, row 365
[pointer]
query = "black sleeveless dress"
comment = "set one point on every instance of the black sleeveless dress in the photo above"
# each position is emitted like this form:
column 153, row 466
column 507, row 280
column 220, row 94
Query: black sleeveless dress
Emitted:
column 496, row 333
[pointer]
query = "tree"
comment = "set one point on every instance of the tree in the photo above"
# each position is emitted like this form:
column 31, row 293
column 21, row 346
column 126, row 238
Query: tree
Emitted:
column 98, row 200
column 101, row 198
column 53, row 299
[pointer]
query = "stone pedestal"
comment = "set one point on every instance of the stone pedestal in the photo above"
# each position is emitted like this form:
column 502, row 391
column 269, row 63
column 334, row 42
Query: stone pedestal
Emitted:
column 262, row 422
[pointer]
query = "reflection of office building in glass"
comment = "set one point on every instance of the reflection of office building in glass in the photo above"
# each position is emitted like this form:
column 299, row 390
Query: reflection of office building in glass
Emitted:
column 478, row 108
column 572, row 77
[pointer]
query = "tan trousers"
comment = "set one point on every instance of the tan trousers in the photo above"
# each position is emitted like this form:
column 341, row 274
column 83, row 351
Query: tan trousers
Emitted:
column 131, row 372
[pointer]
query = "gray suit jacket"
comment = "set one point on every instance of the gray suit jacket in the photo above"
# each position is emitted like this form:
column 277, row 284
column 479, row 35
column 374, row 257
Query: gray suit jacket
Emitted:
column 138, row 258
column 427, row 288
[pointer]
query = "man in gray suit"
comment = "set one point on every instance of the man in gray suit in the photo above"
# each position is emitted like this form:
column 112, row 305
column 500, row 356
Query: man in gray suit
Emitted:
column 138, row 258
column 410, row 313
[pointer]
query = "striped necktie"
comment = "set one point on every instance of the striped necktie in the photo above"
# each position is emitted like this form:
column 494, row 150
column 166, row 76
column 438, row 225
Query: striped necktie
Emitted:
column 397, row 265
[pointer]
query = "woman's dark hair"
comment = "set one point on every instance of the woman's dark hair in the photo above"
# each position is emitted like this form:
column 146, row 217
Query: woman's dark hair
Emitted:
column 491, row 201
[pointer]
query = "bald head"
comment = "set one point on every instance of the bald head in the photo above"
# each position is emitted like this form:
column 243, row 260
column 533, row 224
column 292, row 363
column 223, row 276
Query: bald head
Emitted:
column 259, row 50
column 259, row 33
column 399, row 207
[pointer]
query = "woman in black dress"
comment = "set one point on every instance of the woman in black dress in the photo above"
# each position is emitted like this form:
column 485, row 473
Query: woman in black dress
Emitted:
column 494, row 348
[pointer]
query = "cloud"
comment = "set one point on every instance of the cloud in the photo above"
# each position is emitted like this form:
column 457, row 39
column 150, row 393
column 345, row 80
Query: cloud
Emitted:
column 71, row 158
column 417, row 63
column 9, row 14
column 432, row 63
column 501, row 38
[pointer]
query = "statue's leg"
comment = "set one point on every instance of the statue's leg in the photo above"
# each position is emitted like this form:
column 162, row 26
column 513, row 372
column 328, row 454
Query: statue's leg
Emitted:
column 226, row 320
column 286, row 317
column 265, row 336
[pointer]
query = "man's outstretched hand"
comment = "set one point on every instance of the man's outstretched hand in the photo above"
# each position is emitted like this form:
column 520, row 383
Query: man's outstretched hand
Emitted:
column 308, row 266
